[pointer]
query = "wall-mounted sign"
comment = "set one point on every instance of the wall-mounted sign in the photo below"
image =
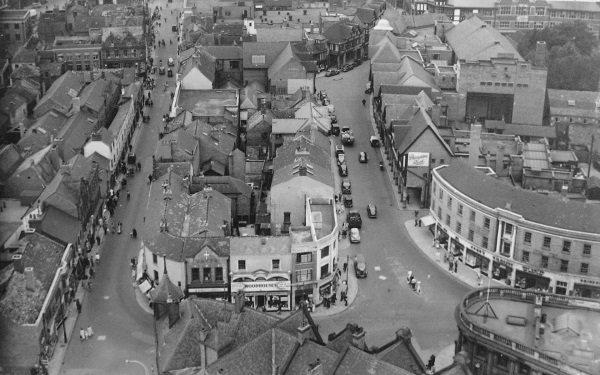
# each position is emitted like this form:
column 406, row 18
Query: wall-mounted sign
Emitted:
column 418, row 159
column 260, row 286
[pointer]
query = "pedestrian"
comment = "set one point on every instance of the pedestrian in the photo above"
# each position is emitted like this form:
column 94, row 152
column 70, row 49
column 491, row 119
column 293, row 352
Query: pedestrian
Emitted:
column 97, row 258
column 456, row 266
column 416, row 213
column 82, row 334
column 98, row 240
column 420, row 222
column 431, row 363
column 437, row 255
column 78, row 305
column 416, row 222
column 130, row 147
column 91, row 261
column 345, row 266
column 120, row 227
column 409, row 277
column 450, row 264
column 407, row 199
column 89, row 331
column 92, row 272
column 150, row 178
column 418, row 287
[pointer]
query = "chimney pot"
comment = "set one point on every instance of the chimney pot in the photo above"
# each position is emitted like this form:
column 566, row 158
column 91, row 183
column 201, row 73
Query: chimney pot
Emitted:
column 303, row 333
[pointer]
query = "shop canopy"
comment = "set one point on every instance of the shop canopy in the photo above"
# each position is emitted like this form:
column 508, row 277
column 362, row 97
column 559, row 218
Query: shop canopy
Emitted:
column 427, row 220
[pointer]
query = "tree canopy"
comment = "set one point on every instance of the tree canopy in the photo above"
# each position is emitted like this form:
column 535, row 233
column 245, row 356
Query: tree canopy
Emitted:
column 573, row 59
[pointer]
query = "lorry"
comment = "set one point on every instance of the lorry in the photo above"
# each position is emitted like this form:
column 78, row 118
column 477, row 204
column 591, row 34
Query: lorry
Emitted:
column 347, row 136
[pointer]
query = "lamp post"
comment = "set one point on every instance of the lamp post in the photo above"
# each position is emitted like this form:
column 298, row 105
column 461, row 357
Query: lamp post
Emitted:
column 139, row 363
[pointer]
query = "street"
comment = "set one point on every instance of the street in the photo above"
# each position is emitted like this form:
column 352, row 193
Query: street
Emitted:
column 123, row 330
column 385, row 302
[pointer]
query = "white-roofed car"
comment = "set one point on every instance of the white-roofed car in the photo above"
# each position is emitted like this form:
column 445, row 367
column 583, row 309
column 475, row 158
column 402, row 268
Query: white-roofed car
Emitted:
column 170, row 62
column 360, row 266
column 354, row 235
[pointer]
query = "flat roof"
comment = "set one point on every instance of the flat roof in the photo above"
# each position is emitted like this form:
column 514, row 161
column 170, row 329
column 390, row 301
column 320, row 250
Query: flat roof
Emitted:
column 323, row 220
column 207, row 102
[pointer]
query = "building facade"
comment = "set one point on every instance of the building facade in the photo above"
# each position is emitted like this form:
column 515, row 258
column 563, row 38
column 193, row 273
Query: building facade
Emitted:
column 123, row 47
column 517, row 237
column 78, row 52
column 347, row 41
column 16, row 25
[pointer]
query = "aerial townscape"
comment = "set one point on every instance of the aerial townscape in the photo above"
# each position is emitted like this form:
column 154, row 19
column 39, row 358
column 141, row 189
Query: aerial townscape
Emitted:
column 287, row 187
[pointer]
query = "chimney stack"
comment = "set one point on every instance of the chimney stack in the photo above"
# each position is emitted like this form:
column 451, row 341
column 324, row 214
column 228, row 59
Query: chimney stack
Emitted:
column 358, row 339
column 17, row 261
column 540, row 54
column 303, row 332
column 76, row 104
column 30, row 282
column 475, row 145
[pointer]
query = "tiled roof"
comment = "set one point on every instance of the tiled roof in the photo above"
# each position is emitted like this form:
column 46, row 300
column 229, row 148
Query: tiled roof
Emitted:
column 578, row 6
column 25, row 56
column 532, row 206
column 224, row 52
column 25, row 70
column 92, row 94
column 60, row 226
column 423, row 20
column 278, row 35
column 473, row 39
column 166, row 291
column 83, row 23
column 355, row 361
column 59, row 93
column 365, row 15
column 292, row 150
column 410, row 69
column 225, row 185
column 315, row 172
column 260, row 245
column 179, row 139
column 420, row 123
column 11, row 102
column 531, row 130
column 75, row 133
column 9, row 161
column 264, row 53
column 574, row 103
column 340, row 31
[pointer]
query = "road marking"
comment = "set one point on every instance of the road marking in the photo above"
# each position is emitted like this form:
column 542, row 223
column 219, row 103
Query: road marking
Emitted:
column 377, row 268
column 106, row 297
column 101, row 338
column 382, row 277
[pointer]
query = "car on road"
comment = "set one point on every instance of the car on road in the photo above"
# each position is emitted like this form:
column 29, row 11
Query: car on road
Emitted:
column 347, row 201
column 353, row 219
column 372, row 211
column 171, row 62
column 170, row 72
column 331, row 72
column 360, row 266
column 357, row 62
column 347, row 67
column 362, row 157
column 339, row 150
column 374, row 141
column 343, row 169
column 174, row 28
column 161, row 70
column 354, row 235
column 341, row 159
column 346, row 186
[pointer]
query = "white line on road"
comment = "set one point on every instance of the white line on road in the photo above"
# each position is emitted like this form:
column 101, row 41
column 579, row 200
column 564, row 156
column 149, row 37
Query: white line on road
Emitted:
column 377, row 268
column 382, row 277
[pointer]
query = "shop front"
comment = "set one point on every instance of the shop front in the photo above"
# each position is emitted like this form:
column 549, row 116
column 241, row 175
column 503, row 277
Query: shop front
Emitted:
column 531, row 278
column 475, row 258
column 303, row 293
column 587, row 288
column 216, row 291
column 442, row 237
column 265, row 295
column 457, row 249
column 502, row 269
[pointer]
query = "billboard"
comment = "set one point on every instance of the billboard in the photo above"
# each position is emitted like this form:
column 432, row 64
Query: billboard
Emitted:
column 418, row 159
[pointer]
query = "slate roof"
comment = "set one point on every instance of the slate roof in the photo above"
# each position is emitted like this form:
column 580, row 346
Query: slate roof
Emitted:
column 420, row 123
column 92, row 94
column 265, row 35
column 83, row 23
column 25, row 71
column 224, row 52
column 260, row 245
column 179, row 139
column 293, row 150
column 473, row 39
column 75, row 133
column 366, row 15
column 534, row 207
column 423, row 20
column 531, row 130
column 225, row 185
column 340, row 31
column 315, row 172
column 579, row 6
column 10, row 159
column 355, row 361
column 269, row 50
column 166, row 291
column 58, row 94
column 60, row 226
column 25, row 56
column 137, row 32
column 11, row 102
column 583, row 103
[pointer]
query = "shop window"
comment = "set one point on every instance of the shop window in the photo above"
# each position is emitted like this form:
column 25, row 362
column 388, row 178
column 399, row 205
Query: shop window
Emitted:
column 241, row 265
column 207, row 274
column 304, row 258
column 304, row 275
column 448, row 220
column 527, row 238
column 460, row 209
column 544, row 261
column 219, row 274
column 275, row 264
column 547, row 241
column 154, row 258
column 325, row 252
column 502, row 361
column 566, row 246
column 458, row 228
column 481, row 352
column 471, row 234
column 195, row 274
column 524, row 369
column 450, row 202
column 324, row 271
column 525, row 257
column 486, row 223
column 587, row 249
column 584, row 268
column 564, row 266
column 484, row 242
column 472, row 216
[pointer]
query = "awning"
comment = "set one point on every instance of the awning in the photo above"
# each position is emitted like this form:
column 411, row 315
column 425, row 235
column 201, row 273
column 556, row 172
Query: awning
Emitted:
column 145, row 286
column 427, row 220
column 141, row 265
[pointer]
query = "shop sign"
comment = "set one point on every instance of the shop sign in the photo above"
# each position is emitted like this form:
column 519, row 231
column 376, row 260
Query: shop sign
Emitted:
column 476, row 250
column 590, row 282
column 533, row 271
column 581, row 303
column 418, row 159
column 503, row 261
column 266, row 286
column 207, row 290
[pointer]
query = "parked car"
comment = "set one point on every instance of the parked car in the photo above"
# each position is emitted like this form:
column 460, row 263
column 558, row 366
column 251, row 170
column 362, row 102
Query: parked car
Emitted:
column 346, row 186
column 161, row 70
column 331, row 72
column 360, row 266
column 372, row 211
column 347, row 67
column 357, row 62
column 353, row 219
column 354, row 235
column 341, row 159
column 174, row 28
column 374, row 140
column 339, row 150
column 170, row 62
column 170, row 72
column 347, row 201
column 343, row 169
column 362, row 157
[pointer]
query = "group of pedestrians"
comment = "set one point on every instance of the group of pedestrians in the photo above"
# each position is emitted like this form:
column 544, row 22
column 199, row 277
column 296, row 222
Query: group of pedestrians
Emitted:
column 414, row 284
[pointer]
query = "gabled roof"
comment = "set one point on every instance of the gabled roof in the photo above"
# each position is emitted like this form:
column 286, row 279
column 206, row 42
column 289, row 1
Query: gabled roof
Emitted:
column 92, row 94
column 83, row 23
column 25, row 71
column 287, row 126
column 264, row 53
column 313, row 171
column 426, row 19
column 419, row 124
column 412, row 69
column 10, row 160
column 366, row 15
column 75, row 133
column 25, row 56
column 225, row 185
column 286, row 56
column 11, row 102
column 166, row 291
column 473, row 39
column 340, row 31
column 574, row 103
column 180, row 140
column 60, row 226
column 62, row 91
column 223, row 52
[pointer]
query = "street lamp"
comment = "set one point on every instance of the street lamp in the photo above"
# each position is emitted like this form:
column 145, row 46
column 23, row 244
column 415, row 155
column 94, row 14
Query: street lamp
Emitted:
column 139, row 363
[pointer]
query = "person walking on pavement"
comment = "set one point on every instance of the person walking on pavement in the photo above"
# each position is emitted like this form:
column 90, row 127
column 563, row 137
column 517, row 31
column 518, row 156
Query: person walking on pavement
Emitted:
column 82, row 334
column 456, row 266
column 120, row 227
column 89, row 332
column 78, row 305
column 418, row 287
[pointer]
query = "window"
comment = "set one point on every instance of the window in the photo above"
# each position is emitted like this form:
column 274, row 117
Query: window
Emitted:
column 448, row 220
column 471, row 234
column 484, row 242
column 458, row 228
column 433, row 205
column 304, row 275
column 564, row 265
column 275, row 264
column 504, row 11
column 544, row 261
column 540, row 11
column 584, row 268
column 219, row 274
column 304, row 258
column 17, row 26
column 241, row 265
column 433, row 160
column 486, row 223
column 460, row 210
column 207, row 274
column 587, row 249
column 442, row 161
column 525, row 257
column 258, row 59
column 547, row 241
column 195, row 274
column 450, row 202
column 504, row 25
column 508, row 228
column 17, row 37
column 522, row 11
column 566, row 246
column 440, row 212
column 434, row 188
column 441, row 194
column 472, row 216
column 325, row 252
column 154, row 258
column 521, row 25
column 234, row 65
column 527, row 238
column 324, row 271
column 155, row 275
